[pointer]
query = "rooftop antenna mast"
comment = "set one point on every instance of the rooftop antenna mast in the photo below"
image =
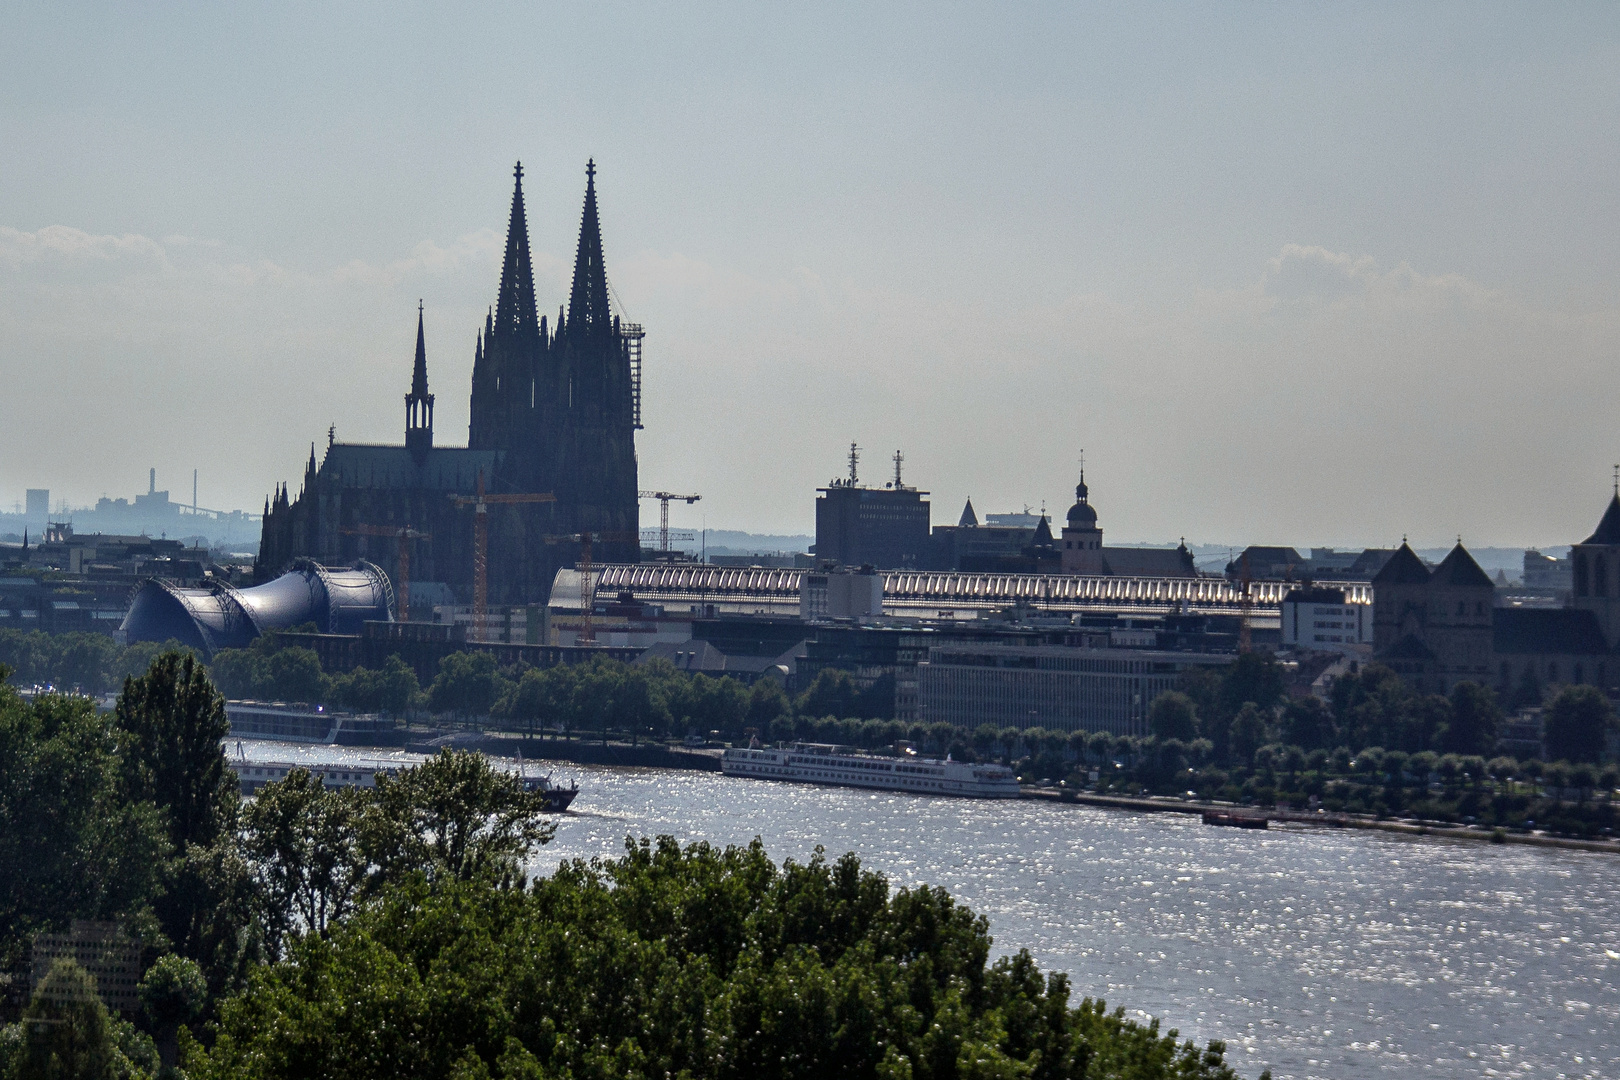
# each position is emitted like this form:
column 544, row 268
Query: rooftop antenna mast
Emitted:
column 898, row 458
column 854, row 462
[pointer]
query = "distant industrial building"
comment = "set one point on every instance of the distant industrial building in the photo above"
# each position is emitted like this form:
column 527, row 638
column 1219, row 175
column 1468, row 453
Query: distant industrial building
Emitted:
column 885, row 528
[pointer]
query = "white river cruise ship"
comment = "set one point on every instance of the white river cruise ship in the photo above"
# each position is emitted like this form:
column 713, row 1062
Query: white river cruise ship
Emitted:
column 815, row 763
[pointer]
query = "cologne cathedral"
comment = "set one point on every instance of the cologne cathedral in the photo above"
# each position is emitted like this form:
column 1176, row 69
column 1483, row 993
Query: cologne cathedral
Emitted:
column 554, row 412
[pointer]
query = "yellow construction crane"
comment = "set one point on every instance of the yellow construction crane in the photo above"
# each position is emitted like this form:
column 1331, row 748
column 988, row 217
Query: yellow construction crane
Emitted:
column 404, row 535
column 664, row 499
column 587, row 587
column 481, row 502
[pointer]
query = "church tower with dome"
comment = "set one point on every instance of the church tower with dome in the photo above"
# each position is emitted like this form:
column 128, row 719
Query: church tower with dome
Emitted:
column 1082, row 547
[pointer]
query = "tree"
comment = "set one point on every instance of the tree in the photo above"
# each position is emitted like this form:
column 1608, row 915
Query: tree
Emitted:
column 303, row 843
column 466, row 685
column 693, row 962
column 1308, row 723
column 174, row 721
column 453, row 816
column 72, row 845
column 1248, row 733
column 766, row 701
column 1173, row 716
column 68, row 1031
column 1253, row 677
column 1475, row 718
column 832, row 693
column 1577, row 724
column 295, row 675
column 173, row 992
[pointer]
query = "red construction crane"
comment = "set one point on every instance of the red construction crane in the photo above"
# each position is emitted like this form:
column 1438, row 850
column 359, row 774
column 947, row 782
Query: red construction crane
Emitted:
column 481, row 503
column 664, row 499
column 587, row 587
column 404, row 535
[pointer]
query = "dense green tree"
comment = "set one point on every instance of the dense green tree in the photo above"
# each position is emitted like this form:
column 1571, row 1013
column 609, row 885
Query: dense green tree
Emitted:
column 1248, row 733
column 1173, row 716
column 671, row 962
column 1307, row 722
column 467, row 684
column 173, row 994
column 1577, row 724
column 1474, row 721
column 766, row 701
column 72, row 844
column 392, row 690
column 832, row 692
column 303, row 843
column 295, row 675
column 69, row 1035
column 1253, row 677
column 174, row 721
column 453, row 816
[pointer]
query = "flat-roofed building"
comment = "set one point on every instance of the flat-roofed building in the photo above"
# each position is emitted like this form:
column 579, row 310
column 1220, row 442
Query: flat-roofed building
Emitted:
column 1062, row 689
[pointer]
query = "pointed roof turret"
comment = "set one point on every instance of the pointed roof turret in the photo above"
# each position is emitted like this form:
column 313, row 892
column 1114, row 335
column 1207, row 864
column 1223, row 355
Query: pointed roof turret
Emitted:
column 1403, row 568
column 515, row 314
column 419, row 370
column 969, row 518
column 1460, row 569
column 588, row 313
column 1608, row 530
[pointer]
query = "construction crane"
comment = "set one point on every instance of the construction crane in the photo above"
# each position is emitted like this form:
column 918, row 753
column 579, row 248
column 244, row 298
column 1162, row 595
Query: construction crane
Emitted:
column 1247, row 581
column 481, row 502
column 664, row 499
column 587, row 587
column 404, row 535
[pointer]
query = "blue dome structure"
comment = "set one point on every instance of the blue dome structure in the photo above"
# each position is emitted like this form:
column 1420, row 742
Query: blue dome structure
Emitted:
column 337, row 601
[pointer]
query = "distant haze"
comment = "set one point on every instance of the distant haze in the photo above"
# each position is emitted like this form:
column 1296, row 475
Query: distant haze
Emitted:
column 1331, row 274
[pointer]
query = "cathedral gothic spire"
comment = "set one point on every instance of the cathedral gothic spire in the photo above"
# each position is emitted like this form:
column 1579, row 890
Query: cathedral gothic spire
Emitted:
column 515, row 314
column 588, row 315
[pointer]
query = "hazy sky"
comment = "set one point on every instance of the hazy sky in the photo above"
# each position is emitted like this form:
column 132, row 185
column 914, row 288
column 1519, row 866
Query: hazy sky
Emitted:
column 1292, row 273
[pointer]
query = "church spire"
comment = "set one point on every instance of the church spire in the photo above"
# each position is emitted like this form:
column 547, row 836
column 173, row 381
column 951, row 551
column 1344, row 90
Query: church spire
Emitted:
column 419, row 403
column 588, row 314
column 419, row 371
column 514, row 309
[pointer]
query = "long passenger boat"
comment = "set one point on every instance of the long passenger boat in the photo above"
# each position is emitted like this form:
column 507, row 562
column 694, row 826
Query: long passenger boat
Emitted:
column 819, row 763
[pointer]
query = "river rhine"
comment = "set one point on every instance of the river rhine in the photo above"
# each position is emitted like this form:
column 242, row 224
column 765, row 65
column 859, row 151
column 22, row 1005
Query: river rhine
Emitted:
column 1315, row 953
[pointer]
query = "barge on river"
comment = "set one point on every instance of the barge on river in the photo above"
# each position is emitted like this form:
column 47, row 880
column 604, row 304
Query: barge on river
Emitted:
column 817, row 763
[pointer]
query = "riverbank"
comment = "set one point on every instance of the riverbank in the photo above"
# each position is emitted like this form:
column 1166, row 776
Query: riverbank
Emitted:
column 1324, row 820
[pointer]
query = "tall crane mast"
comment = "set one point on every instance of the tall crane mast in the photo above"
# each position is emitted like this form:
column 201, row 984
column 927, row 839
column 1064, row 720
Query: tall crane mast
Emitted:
column 481, row 502
column 664, row 499
column 404, row 535
column 587, row 587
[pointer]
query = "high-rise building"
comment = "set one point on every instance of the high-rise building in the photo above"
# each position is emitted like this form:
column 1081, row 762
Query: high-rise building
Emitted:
column 886, row 527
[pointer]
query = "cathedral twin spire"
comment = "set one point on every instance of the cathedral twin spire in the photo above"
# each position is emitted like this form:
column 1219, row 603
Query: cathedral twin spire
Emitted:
column 589, row 314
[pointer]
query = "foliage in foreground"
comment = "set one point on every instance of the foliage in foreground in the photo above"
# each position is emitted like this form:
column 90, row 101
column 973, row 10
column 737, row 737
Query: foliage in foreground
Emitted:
column 671, row 962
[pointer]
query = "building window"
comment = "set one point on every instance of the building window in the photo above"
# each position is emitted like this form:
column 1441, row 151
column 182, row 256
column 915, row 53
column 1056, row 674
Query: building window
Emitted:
column 1581, row 588
column 1600, row 576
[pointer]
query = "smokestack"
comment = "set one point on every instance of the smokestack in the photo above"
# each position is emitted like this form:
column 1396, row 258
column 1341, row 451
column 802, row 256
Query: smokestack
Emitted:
column 151, row 481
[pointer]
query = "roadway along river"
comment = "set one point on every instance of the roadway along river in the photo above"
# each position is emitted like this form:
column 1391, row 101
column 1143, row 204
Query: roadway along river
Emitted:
column 1315, row 953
